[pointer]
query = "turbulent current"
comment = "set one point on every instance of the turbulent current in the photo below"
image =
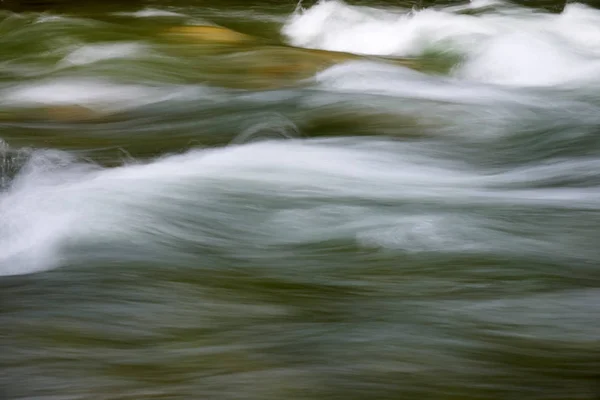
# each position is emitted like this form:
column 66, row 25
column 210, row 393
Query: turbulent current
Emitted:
column 321, row 201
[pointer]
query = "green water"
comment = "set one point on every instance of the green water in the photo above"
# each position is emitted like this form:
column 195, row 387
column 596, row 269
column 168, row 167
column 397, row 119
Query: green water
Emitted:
column 415, row 216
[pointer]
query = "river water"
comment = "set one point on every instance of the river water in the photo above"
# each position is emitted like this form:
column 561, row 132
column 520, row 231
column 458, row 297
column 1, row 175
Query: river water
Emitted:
column 204, row 214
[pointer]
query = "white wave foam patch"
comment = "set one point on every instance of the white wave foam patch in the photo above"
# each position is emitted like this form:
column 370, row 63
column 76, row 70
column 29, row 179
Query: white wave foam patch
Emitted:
column 151, row 13
column 392, row 80
column 101, row 95
column 512, row 45
column 245, row 200
column 92, row 53
column 334, row 25
column 449, row 106
column 529, row 60
column 34, row 221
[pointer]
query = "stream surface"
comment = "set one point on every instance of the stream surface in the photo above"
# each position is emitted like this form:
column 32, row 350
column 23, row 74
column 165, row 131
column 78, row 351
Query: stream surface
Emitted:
column 361, row 200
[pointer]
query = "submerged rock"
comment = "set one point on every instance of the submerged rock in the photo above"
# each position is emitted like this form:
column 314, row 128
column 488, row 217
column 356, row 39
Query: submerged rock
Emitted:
column 209, row 34
column 233, row 59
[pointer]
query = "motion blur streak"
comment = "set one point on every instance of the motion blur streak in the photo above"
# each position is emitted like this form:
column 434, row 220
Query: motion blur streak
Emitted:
column 208, row 200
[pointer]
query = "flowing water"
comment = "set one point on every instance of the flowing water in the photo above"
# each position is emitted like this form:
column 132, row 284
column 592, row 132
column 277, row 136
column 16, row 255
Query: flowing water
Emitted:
column 339, row 201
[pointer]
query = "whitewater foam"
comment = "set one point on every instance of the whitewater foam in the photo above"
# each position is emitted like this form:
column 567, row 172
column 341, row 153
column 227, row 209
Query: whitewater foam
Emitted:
column 245, row 198
column 151, row 13
column 89, row 54
column 98, row 94
column 513, row 46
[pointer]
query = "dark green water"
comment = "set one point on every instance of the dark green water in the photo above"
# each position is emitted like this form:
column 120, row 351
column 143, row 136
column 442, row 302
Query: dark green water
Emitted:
column 192, row 217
